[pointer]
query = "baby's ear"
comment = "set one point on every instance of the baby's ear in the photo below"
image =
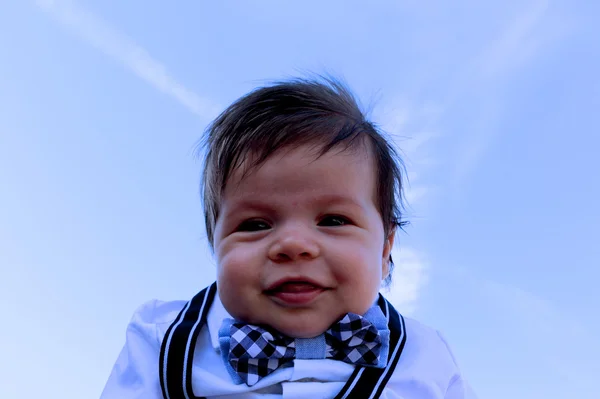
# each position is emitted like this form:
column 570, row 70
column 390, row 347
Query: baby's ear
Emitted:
column 388, row 244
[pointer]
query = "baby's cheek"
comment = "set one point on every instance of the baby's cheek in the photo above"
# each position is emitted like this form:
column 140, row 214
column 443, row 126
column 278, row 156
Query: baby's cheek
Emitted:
column 234, row 275
column 238, row 280
column 232, row 290
column 358, row 266
column 359, row 280
column 239, row 262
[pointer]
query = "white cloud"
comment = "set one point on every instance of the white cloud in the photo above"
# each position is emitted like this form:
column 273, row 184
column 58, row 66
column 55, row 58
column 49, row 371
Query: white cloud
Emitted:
column 511, row 45
column 409, row 279
column 409, row 128
column 415, row 194
column 516, row 45
column 125, row 51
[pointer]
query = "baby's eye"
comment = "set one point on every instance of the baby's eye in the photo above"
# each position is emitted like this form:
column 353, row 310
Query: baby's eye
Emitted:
column 253, row 225
column 334, row 220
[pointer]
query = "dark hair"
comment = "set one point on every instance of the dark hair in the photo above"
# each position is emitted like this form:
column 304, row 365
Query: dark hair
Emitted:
column 319, row 111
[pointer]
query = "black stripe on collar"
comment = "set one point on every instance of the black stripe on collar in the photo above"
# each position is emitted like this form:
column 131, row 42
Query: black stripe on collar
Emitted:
column 368, row 382
column 177, row 349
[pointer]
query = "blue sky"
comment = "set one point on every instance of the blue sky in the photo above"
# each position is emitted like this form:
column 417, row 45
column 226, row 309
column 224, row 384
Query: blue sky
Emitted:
column 495, row 105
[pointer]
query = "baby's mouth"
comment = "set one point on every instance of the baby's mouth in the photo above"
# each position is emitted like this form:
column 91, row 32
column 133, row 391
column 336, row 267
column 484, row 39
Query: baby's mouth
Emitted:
column 295, row 293
column 295, row 287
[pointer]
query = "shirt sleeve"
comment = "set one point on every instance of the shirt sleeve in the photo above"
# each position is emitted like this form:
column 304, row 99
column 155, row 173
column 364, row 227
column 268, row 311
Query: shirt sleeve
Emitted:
column 135, row 373
column 459, row 389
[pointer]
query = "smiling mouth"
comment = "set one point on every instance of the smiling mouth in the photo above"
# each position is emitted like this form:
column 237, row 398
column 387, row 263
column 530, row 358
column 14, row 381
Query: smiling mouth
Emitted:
column 294, row 293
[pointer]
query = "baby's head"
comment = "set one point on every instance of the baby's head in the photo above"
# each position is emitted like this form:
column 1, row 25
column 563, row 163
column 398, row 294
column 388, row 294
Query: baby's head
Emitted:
column 302, row 199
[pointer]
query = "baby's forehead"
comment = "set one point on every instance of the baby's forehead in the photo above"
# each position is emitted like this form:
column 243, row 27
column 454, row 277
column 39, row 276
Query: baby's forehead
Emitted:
column 300, row 155
column 304, row 176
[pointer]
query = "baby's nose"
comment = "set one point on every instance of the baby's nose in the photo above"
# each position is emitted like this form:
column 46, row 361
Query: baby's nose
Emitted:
column 293, row 245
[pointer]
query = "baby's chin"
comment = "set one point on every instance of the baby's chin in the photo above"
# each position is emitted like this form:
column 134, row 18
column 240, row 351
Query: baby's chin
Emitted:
column 302, row 331
column 294, row 327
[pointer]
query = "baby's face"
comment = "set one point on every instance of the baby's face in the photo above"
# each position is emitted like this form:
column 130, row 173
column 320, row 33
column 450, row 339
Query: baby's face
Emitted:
column 300, row 242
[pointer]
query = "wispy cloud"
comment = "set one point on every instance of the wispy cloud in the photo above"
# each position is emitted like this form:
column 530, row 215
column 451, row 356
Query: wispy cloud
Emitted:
column 404, row 124
column 414, row 130
column 411, row 128
column 124, row 50
column 409, row 279
column 515, row 46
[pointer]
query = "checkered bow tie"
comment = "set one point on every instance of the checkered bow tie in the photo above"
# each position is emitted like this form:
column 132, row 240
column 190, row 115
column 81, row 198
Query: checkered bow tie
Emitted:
column 255, row 352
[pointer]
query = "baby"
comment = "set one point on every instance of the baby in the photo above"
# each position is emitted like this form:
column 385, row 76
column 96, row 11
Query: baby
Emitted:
column 302, row 199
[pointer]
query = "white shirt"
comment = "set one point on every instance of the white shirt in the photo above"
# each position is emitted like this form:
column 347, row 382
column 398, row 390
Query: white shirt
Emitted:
column 426, row 369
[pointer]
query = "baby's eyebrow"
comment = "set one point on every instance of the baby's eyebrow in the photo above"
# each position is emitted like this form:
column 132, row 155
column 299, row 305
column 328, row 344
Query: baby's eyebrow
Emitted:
column 267, row 203
column 336, row 199
column 250, row 203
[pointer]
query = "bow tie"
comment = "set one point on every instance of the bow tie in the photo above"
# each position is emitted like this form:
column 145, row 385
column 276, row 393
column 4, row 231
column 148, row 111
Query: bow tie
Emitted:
column 253, row 352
